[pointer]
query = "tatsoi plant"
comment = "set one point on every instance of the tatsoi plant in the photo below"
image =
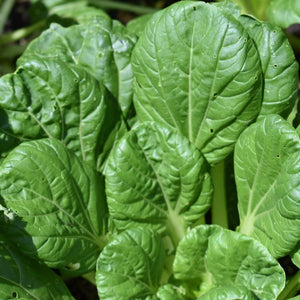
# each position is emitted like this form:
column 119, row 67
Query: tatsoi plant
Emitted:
column 113, row 150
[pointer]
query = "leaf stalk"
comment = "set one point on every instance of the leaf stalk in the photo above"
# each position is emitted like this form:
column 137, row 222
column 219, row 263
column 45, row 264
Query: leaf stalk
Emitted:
column 138, row 9
column 219, row 206
column 5, row 10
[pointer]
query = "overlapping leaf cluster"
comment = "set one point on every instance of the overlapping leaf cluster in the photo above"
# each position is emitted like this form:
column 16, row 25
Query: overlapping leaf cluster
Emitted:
column 107, row 143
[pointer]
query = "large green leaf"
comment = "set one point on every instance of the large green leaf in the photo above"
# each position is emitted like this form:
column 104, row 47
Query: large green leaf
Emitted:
column 155, row 177
column 268, row 183
column 103, row 49
column 210, row 256
column 279, row 66
column 23, row 278
column 49, row 98
column 56, row 203
column 130, row 266
column 231, row 292
column 137, row 25
column 197, row 70
column 284, row 12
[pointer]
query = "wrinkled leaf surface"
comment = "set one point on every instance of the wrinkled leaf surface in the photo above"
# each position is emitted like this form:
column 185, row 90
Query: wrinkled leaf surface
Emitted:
column 197, row 70
column 23, row 278
column 57, row 205
column 130, row 266
column 268, row 183
column 155, row 177
column 210, row 256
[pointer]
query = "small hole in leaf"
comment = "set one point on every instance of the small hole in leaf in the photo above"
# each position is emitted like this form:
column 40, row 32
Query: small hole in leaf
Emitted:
column 275, row 66
column 211, row 130
column 76, row 80
column 215, row 95
column 277, row 155
column 15, row 295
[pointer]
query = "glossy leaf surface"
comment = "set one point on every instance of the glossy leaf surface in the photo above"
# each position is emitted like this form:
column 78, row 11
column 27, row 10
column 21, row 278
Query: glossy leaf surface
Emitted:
column 197, row 70
column 210, row 256
column 169, row 291
column 130, row 266
column 155, row 177
column 231, row 292
column 279, row 66
column 49, row 98
column 102, row 49
column 23, row 278
column 268, row 183
column 57, row 205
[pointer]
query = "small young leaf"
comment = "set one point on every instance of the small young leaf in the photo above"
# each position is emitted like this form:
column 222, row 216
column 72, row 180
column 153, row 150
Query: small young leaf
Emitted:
column 58, row 207
column 197, row 70
column 155, row 177
column 23, row 278
column 210, row 256
column 130, row 266
column 268, row 183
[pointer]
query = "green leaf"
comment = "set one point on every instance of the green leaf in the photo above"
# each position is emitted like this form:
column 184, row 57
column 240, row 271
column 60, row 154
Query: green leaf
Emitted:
column 79, row 111
column 268, row 183
column 102, row 49
column 295, row 255
column 170, row 292
column 57, row 205
column 130, row 266
column 22, row 278
column 197, row 70
column 231, row 292
column 284, row 13
column 279, row 66
column 210, row 256
column 138, row 24
column 155, row 177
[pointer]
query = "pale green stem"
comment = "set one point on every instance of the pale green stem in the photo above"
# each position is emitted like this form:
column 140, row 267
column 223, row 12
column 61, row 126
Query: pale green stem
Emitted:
column 21, row 33
column 5, row 10
column 293, row 113
column 138, row 9
column 175, row 227
column 219, row 208
column 292, row 287
column 91, row 277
